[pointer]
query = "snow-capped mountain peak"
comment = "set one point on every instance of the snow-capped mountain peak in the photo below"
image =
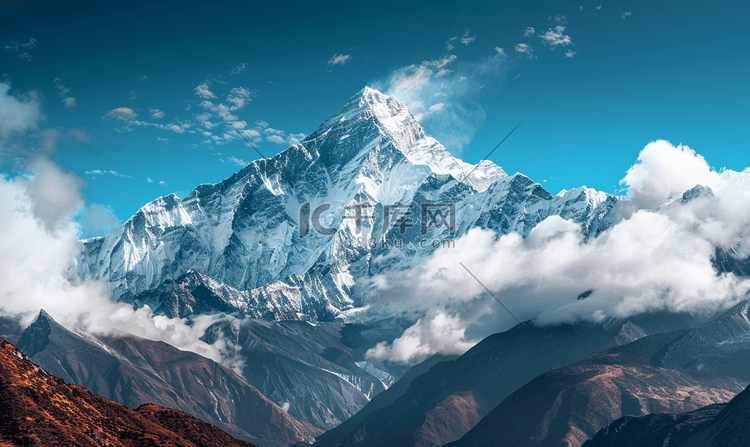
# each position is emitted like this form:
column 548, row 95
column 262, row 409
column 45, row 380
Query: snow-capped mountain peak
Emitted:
column 245, row 236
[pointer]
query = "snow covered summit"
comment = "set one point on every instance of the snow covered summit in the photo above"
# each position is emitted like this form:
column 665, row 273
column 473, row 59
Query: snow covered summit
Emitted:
column 243, row 235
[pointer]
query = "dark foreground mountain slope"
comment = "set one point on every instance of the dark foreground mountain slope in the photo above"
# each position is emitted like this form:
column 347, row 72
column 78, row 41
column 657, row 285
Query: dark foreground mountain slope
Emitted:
column 654, row 430
column 39, row 409
column 133, row 371
column 721, row 425
column 674, row 372
column 443, row 404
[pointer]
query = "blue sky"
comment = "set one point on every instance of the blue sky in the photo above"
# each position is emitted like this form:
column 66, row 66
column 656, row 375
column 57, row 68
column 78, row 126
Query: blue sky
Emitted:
column 595, row 85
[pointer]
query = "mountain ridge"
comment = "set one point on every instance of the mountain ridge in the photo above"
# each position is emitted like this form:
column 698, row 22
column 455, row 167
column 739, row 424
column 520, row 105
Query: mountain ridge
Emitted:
column 245, row 231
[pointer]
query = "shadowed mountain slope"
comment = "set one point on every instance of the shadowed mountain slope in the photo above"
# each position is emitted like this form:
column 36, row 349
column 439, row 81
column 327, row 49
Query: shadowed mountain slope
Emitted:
column 39, row 409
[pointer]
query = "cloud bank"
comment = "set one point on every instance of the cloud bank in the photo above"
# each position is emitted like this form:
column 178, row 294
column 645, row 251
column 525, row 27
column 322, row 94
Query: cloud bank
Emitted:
column 38, row 240
column 658, row 256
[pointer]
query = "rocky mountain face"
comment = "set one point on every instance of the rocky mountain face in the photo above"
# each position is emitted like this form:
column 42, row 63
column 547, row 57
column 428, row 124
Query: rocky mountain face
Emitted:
column 281, row 239
column 135, row 371
column 382, row 400
column 39, row 409
column 720, row 425
column 317, row 371
column 445, row 402
column 674, row 372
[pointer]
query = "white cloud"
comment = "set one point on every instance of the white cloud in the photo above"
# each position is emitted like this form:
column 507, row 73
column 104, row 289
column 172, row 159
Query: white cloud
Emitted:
column 162, row 183
column 36, row 260
column 663, row 170
column 561, row 19
column 436, row 332
column 525, row 49
column 457, row 85
column 238, row 69
column 448, row 43
column 205, row 120
column 202, row 90
column 570, row 53
column 121, row 113
column 275, row 139
column 599, row 7
column 237, row 161
column 238, row 97
column 339, row 59
column 148, row 180
column 436, row 107
column 500, row 52
column 555, row 37
column 156, row 113
column 105, row 172
column 466, row 39
column 625, row 15
column 62, row 91
column 30, row 44
column 69, row 102
column 657, row 257
column 13, row 46
column 296, row 138
column 19, row 114
column 98, row 220
column 127, row 118
column 529, row 31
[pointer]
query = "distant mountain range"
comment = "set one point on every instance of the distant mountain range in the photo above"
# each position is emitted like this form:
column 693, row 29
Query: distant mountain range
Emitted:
column 672, row 372
column 285, row 249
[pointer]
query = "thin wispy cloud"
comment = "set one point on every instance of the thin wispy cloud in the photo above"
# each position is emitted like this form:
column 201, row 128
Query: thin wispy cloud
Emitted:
column 63, row 93
column 448, row 43
column 238, row 69
column 443, row 94
column 526, row 49
column 570, row 53
column 95, row 172
column 127, row 119
column 500, row 52
column 529, row 31
column 156, row 113
column 21, row 49
column 555, row 37
column 625, row 15
column 339, row 59
column 466, row 39
column 237, row 161
column 561, row 19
